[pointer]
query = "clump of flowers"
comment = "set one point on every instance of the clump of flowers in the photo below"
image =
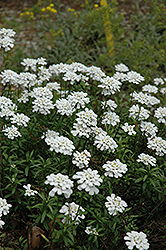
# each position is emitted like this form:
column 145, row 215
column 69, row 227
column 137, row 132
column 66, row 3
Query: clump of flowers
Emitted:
column 115, row 204
column 88, row 180
column 135, row 239
column 4, row 210
column 73, row 212
column 62, row 184
column 82, row 159
column 6, row 38
column 115, row 168
column 68, row 129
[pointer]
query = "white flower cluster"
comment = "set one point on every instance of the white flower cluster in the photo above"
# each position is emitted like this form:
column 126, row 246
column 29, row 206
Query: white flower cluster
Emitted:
column 20, row 119
column 134, row 77
column 115, row 204
column 139, row 113
column 62, row 184
column 145, row 98
column 30, row 63
column 88, row 180
column 73, row 211
column 158, row 81
column 121, row 67
column 146, row 159
column 150, row 89
column 29, row 191
column 135, row 239
column 9, row 76
column 110, row 118
column 110, row 105
column 115, row 168
column 6, row 38
column 11, row 132
column 105, row 142
column 109, row 85
column 4, row 209
column 160, row 113
column 82, row 159
column 64, row 107
column 78, row 99
column 84, row 123
column 7, row 107
column 158, row 144
column 129, row 128
column 59, row 144
column 148, row 128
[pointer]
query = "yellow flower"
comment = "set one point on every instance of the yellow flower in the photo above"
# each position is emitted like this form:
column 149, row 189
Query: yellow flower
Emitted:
column 96, row 5
column 53, row 10
column 43, row 9
column 51, row 5
column 48, row 8
column 71, row 10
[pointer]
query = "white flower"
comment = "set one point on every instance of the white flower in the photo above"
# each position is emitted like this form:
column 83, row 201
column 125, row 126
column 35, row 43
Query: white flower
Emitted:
column 6, row 112
column 135, row 239
column 110, row 118
column 42, row 105
column 88, row 180
column 145, row 98
column 72, row 77
column 160, row 113
column 78, row 99
column 26, row 80
column 115, row 204
column 82, row 159
column 24, row 96
column 105, row 142
column 20, row 119
column 2, row 223
column 43, row 92
column 11, row 132
column 150, row 88
column 29, row 191
column 110, row 105
column 129, row 128
column 158, row 144
column 9, row 76
column 139, row 113
column 134, row 77
column 43, row 74
column 115, row 168
column 109, row 85
column 74, row 211
column 120, row 76
column 146, row 159
column 148, row 128
column 62, row 184
column 53, row 86
column 86, row 120
column 64, row 107
column 29, row 63
column 4, row 207
column 158, row 81
column 98, row 131
column 163, row 91
column 121, row 67
column 6, row 40
column 58, row 143
column 90, row 230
